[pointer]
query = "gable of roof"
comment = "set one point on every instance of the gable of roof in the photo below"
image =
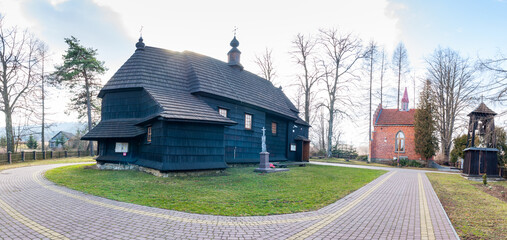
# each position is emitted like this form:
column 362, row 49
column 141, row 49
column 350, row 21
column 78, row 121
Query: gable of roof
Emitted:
column 172, row 78
column 68, row 135
column 395, row 117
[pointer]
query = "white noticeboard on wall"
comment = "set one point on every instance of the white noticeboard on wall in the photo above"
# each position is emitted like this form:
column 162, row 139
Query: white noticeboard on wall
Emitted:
column 122, row 147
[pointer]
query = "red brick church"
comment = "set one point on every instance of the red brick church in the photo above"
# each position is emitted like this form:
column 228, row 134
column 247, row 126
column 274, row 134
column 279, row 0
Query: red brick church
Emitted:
column 393, row 133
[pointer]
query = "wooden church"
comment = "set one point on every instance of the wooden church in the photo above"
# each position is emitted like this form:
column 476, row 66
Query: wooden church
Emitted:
column 180, row 111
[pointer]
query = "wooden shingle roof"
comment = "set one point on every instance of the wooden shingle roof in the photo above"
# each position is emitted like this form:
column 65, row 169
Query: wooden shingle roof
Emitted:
column 482, row 109
column 115, row 128
column 174, row 79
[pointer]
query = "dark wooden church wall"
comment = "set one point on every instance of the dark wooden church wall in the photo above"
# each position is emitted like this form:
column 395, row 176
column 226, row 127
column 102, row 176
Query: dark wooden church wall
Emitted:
column 242, row 145
column 292, row 132
column 108, row 154
column 276, row 144
column 184, row 146
column 128, row 104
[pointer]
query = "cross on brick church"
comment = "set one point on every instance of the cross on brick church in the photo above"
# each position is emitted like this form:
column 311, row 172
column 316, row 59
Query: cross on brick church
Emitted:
column 393, row 133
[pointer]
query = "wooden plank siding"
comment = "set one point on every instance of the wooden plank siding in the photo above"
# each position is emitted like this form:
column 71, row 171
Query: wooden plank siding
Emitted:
column 136, row 103
column 243, row 145
column 183, row 146
column 276, row 145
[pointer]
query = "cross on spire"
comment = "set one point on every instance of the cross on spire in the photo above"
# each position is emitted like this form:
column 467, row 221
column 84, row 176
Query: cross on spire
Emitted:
column 141, row 31
column 235, row 30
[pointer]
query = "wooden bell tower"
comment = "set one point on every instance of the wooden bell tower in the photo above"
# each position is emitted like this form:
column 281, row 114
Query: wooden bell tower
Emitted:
column 481, row 154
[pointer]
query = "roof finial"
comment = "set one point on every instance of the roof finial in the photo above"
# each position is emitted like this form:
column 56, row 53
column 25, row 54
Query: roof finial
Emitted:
column 140, row 45
column 141, row 32
column 235, row 30
column 482, row 98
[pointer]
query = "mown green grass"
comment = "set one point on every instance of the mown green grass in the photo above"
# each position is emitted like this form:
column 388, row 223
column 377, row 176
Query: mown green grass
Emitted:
column 237, row 192
column 473, row 213
column 45, row 162
column 352, row 162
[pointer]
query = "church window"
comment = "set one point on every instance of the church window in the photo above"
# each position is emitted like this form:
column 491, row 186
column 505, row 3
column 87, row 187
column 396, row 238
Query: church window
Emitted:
column 222, row 111
column 273, row 128
column 248, row 121
column 148, row 136
column 400, row 142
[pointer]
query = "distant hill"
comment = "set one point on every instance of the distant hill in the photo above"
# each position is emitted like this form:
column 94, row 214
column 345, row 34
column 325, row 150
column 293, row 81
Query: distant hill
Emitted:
column 71, row 127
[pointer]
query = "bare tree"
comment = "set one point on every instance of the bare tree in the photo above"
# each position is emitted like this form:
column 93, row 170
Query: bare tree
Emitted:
column 43, row 50
column 19, row 61
column 498, row 67
column 382, row 73
column 400, row 65
column 265, row 64
column 452, row 80
column 370, row 56
column 303, row 54
column 342, row 52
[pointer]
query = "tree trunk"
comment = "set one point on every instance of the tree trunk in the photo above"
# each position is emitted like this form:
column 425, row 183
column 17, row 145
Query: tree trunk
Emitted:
column 8, row 129
column 330, row 130
column 399, row 80
column 43, row 139
column 369, row 113
column 89, row 110
column 307, row 106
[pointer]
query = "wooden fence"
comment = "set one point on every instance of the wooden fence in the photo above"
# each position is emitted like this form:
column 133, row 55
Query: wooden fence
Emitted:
column 8, row 158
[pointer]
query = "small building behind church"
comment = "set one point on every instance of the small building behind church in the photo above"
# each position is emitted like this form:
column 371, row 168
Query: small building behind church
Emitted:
column 393, row 133
column 181, row 111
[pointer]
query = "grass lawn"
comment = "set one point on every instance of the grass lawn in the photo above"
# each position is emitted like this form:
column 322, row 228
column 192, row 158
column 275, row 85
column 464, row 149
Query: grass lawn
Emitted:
column 357, row 162
column 45, row 162
column 237, row 192
column 353, row 162
column 474, row 213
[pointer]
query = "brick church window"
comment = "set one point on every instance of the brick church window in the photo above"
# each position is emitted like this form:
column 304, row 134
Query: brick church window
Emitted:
column 248, row 121
column 400, row 142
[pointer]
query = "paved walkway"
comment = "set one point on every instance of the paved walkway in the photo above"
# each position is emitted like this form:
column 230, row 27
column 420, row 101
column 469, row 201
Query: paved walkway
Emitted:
column 401, row 204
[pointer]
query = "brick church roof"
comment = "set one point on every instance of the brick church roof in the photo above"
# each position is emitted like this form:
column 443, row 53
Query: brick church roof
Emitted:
column 395, row 117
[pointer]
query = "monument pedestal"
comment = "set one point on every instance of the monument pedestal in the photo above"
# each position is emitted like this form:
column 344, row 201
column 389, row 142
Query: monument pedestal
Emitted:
column 264, row 165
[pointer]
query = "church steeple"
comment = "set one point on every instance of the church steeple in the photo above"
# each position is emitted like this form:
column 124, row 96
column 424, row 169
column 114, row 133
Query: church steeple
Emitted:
column 140, row 45
column 404, row 101
column 234, row 54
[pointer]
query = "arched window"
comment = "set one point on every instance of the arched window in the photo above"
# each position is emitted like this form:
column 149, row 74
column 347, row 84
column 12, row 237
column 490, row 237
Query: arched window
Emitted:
column 400, row 142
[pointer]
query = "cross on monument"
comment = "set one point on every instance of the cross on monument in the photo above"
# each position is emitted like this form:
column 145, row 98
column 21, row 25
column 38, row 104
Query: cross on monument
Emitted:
column 264, row 139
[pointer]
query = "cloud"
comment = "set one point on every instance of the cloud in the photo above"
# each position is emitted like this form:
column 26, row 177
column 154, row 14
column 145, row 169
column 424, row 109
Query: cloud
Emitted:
column 96, row 26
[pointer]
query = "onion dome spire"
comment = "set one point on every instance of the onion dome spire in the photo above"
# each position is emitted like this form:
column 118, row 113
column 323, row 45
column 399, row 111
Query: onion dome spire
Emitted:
column 140, row 45
column 234, row 54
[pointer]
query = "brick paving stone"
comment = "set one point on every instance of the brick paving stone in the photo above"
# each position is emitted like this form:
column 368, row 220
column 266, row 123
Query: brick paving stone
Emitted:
column 390, row 211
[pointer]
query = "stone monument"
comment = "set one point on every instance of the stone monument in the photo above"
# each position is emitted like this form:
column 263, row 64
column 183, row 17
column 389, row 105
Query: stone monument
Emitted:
column 264, row 158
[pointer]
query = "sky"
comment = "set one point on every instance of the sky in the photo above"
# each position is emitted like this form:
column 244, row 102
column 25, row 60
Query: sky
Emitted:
column 473, row 28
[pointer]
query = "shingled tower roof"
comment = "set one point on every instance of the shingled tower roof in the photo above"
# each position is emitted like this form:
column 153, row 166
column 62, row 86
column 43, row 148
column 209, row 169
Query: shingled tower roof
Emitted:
column 482, row 109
